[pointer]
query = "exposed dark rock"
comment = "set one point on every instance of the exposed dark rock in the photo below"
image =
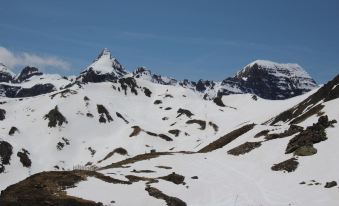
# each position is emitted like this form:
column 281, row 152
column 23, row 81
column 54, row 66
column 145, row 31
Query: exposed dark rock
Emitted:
column 218, row 101
column 175, row 132
column 173, row 177
column 168, row 96
column 92, row 151
column 147, row 92
column 27, row 73
column 307, row 150
column 164, row 167
column 129, row 82
column 262, row 133
column 13, row 130
column 89, row 115
column 226, row 139
column 151, row 133
column 55, row 118
column 194, row 177
column 214, row 126
column 136, row 131
column 36, row 90
column 157, row 102
column 6, row 151
column 331, row 184
column 244, row 148
column 142, row 171
column 5, row 74
column 104, row 114
column 199, row 122
column 121, row 117
column 311, row 135
column 165, row 137
column 119, row 150
column 185, row 112
column 24, row 159
column 2, row 114
column 168, row 108
column 289, row 165
column 170, row 201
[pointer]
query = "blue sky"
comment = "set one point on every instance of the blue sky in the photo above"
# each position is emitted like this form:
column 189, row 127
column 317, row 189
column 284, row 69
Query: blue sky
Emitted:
column 208, row 39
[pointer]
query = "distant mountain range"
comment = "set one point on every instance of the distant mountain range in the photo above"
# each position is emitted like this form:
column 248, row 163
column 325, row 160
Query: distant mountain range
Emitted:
column 265, row 79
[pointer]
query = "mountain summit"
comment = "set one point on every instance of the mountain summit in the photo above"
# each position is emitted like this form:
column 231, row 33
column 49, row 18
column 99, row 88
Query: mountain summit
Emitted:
column 104, row 68
column 271, row 80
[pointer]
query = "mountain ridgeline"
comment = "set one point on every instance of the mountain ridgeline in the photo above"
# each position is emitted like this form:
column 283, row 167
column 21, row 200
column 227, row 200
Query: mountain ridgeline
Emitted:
column 265, row 79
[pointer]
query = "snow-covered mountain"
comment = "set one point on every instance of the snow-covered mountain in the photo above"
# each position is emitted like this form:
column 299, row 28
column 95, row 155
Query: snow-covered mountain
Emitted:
column 271, row 80
column 104, row 68
column 5, row 74
column 143, row 139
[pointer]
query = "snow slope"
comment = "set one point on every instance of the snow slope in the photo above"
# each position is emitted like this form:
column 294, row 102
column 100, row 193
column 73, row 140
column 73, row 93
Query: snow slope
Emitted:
column 223, row 179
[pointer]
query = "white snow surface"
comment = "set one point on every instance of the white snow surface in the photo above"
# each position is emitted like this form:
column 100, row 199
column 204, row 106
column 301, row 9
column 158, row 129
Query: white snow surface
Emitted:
column 223, row 179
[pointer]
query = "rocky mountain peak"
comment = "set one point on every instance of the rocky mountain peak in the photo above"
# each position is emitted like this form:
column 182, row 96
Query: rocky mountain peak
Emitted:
column 104, row 68
column 6, row 75
column 271, row 80
column 27, row 73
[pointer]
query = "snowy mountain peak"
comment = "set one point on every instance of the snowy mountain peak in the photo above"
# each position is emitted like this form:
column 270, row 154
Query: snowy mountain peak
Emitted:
column 270, row 80
column 6, row 75
column 104, row 67
column 104, row 53
column 277, row 69
column 4, row 69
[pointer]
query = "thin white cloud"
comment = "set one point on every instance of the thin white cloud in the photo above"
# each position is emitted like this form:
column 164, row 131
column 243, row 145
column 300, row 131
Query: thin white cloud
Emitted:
column 12, row 60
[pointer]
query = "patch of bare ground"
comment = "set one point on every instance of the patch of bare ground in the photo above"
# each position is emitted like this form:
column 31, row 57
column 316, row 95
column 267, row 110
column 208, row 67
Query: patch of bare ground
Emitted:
column 55, row 118
column 48, row 188
column 142, row 171
column 289, row 165
column 226, row 139
column 13, row 130
column 141, row 157
column 119, row 150
column 186, row 112
column 164, row 167
column 170, row 201
column 148, row 180
column 138, row 158
column 173, row 177
column 175, row 132
column 2, row 114
column 121, row 117
column 199, row 122
column 24, row 158
column 136, row 131
column 244, row 148
column 214, row 126
column 104, row 114
column 262, row 133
